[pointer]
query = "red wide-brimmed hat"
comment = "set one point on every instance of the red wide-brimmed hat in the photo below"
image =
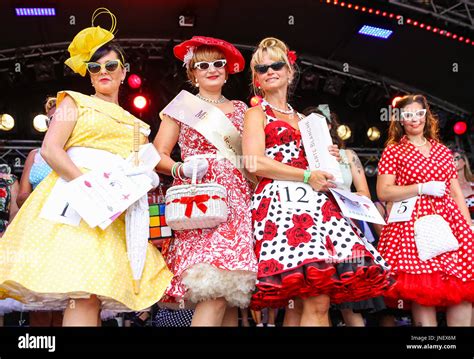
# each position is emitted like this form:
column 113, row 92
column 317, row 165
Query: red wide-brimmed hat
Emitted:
column 235, row 60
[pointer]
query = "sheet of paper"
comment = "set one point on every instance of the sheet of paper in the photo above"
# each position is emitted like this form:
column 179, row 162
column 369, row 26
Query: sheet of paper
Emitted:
column 356, row 206
column 57, row 208
column 296, row 195
column 402, row 210
column 316, row 140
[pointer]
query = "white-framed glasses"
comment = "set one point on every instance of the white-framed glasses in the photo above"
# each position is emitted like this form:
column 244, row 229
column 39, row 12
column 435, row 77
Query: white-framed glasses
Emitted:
column 204, row 65
column 412, row 115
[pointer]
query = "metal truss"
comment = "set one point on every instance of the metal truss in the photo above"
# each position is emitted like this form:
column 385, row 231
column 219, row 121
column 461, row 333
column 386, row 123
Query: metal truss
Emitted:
column 153, row 49
column 56, row 52
column 14, row 153
column 459, row 12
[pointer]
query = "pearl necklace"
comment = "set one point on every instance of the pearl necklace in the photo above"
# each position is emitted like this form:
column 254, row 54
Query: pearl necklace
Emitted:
column 424, row 143
column 289, row 112
column 221, row 99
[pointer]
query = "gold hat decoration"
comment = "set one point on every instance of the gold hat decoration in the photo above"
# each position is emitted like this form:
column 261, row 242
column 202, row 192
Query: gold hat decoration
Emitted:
column 88, row 41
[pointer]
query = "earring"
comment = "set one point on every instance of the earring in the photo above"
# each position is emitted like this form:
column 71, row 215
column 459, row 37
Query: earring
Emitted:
column 225, row 81
column 121, row 82
column 197, row 84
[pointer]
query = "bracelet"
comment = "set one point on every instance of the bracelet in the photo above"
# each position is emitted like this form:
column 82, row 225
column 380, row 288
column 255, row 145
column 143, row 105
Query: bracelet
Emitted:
column 420, row 189
column 173, row 169
column 307, row 175
column 178, row 172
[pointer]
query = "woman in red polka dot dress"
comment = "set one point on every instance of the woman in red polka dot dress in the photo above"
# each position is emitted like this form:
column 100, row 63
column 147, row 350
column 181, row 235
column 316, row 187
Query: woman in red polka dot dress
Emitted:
column 414, row 163
column 307, row 256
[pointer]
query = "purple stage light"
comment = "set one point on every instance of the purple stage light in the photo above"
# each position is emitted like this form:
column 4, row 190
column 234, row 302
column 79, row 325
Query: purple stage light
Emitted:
column 375, row 32
column 35, row 11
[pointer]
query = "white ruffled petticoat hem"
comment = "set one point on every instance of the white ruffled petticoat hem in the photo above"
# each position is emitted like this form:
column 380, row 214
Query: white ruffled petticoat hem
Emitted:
column 205, row 282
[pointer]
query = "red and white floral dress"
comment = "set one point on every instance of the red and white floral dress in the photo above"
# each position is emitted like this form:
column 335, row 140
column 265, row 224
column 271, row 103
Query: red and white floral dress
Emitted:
column 306, row 253
column 215, row 262
column 446, row 279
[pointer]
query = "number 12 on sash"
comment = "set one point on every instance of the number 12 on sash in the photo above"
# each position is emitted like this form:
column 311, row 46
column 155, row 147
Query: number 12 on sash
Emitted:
column 296, row 195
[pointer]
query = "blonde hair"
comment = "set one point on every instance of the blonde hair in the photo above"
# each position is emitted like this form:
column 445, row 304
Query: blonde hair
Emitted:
column 49, row 104
column 203, row 53
column 277, row 50
column 467, row 167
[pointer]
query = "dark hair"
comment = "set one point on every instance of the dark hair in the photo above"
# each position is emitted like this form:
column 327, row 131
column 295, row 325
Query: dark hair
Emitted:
column 396, row 131
column 334, row 122
column 105, row 49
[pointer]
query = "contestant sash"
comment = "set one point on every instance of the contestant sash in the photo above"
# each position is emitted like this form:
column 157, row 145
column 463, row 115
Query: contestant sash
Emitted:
column 211, row 123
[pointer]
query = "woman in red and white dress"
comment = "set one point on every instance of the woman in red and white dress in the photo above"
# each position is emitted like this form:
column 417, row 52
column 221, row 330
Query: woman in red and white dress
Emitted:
column 307, row 256
column 215, row 267
column 416, row 163
column 465, row 178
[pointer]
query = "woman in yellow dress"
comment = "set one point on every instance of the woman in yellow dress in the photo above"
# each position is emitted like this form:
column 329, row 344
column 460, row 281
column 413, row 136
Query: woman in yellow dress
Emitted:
column 79, row 268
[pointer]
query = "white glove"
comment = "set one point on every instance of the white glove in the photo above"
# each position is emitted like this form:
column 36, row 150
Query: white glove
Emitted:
column 201, row 167
column 432, row 188
column 139, row 170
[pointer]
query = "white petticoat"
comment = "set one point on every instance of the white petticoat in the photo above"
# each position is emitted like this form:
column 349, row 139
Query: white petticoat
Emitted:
column 205, row 282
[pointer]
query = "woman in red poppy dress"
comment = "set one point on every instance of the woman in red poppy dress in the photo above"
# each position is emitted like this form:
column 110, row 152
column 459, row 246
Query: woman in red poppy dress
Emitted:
column 416, row 163
column 314, row 256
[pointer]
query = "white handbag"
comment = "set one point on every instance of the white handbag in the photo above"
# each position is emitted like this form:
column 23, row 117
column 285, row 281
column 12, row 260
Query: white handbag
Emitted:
column 433, row 236
column 196, row 205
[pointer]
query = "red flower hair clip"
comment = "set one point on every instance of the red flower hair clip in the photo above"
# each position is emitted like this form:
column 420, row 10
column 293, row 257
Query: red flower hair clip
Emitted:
column 291, row 57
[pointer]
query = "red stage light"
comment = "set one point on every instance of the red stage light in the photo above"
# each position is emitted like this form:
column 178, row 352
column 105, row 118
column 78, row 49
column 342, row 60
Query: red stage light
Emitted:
column 391, row 15
column 140, row 102
column 408, row 20
column 460, row 127
column 384, row 13
column 134, row 81
column 428, row 27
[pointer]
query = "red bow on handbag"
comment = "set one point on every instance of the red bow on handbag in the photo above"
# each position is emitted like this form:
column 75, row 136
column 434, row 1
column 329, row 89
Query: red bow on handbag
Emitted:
column 199, row 200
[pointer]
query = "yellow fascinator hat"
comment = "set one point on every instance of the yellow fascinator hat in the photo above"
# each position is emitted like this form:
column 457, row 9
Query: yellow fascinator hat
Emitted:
column 88, row 41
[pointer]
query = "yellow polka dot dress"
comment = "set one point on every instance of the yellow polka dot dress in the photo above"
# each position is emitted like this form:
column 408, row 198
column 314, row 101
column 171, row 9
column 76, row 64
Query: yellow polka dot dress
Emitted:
column 44, row 263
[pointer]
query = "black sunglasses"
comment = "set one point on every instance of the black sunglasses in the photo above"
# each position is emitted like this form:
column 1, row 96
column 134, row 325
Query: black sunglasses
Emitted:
column 262, row 69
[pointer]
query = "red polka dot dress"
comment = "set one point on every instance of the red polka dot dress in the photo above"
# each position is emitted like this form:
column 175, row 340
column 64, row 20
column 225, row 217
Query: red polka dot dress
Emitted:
column 306, row 253
column 446, row 279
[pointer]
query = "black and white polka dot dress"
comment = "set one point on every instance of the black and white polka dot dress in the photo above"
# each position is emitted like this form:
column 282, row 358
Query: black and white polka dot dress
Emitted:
column 303, row 253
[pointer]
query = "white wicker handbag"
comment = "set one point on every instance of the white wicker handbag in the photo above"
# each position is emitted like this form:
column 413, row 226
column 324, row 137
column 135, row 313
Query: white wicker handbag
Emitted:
column 196, row 205
column 433, row 236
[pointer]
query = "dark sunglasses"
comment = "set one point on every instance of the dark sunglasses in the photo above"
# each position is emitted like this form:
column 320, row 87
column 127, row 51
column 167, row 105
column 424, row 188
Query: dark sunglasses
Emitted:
column 262, row 69
column 110, row 66
column 204, row 65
